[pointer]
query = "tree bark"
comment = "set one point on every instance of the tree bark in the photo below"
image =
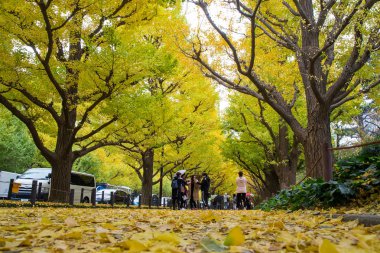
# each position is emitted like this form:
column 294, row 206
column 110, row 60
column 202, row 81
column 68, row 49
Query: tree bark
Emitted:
column 293, row 161
column 317, row 154
column 63, row 162
column 60, row 181
column 287, row 158
column 282, row 152
column 147, row 180
column 272, row 183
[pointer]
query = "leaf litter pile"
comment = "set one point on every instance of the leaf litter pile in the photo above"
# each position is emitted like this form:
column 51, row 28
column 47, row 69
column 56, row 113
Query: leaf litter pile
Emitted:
column 125, row 230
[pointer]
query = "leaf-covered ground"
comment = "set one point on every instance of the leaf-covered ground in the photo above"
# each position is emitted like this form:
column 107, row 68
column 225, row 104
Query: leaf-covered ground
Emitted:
column 125, row 230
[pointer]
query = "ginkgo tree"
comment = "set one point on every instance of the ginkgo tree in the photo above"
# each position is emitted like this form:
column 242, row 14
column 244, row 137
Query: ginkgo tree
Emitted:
column 259, row 142
column 170, row 124
column 334, row 43
column 60, row 64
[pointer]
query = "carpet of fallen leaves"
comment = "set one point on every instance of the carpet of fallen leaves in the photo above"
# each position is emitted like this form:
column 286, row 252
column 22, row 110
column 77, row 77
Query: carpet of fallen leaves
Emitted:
column 126, row 230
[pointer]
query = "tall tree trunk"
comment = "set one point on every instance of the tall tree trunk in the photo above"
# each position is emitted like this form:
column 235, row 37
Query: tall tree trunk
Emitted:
column 147, row 182
column 318, row 137
column 318, row 157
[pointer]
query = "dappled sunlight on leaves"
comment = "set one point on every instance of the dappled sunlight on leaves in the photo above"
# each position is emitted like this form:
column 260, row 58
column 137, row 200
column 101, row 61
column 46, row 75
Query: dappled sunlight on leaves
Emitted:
column 125, row 230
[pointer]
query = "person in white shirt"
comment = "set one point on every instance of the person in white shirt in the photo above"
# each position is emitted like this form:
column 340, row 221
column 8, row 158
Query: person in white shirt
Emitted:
column 241, row 190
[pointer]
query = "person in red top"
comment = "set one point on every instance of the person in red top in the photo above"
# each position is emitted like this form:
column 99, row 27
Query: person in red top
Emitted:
column 241, row 190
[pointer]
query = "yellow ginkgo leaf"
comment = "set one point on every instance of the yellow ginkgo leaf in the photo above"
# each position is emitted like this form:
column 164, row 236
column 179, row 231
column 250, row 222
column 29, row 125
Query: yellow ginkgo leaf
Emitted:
column 73, row 235
column 132, row 245
column 235, row 237
column 71, row 222
column 45, row 221
column 168, row 237
column 111, row 250
column 109, row 226
column 327, row 247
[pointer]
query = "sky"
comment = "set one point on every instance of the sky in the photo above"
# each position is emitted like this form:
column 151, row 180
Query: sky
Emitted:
column 195, row 19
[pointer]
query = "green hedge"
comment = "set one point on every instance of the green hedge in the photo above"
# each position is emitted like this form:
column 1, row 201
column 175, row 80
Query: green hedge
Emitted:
column 357, row 179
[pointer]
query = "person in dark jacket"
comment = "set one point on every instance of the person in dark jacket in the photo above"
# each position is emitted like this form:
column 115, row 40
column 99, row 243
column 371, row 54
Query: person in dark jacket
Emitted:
column 205, row 187
column 176, row 191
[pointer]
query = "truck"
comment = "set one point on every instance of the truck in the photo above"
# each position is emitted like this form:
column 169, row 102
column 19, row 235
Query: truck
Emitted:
column 5, row 178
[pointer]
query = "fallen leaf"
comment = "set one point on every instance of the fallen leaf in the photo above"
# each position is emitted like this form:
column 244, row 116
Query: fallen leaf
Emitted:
column 235, row 237
column 71, row 222
column 72, row 235
column 210, row 245
column 327, row 247
column 132, row 245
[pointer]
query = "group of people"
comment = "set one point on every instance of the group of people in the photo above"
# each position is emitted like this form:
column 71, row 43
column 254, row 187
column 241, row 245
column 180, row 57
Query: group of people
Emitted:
column 185, row 192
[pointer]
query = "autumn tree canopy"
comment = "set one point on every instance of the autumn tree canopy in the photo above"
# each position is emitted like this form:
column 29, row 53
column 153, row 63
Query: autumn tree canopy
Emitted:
column 61, row 63
column 333, row 43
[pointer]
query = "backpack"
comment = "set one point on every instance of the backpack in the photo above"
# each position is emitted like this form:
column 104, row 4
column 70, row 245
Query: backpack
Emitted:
column 175, row 184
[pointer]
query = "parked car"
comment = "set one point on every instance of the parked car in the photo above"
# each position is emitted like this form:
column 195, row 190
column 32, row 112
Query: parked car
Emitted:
column 121, row 196
column 101, row 186
column 155, row 200
column 78, row 182
column 5, row 178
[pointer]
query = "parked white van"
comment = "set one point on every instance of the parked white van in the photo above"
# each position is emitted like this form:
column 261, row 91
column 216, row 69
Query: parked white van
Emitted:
column 79, row 181
column 5, row 178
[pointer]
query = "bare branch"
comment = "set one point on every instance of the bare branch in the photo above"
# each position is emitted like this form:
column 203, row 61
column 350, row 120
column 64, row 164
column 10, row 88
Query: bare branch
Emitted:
column 97, row 130
column 294, row 12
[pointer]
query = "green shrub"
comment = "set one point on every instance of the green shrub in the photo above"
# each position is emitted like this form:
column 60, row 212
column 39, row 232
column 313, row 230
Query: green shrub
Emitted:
column 356, row 178
column 309, row 194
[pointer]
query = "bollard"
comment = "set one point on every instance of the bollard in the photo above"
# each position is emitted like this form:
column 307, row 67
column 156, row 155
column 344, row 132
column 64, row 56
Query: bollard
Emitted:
column 112, row 200
column 39, row 191
column 33, row 194
column 164, row 203
column 10, row 188
column 81, row 195
column 93, row 197
column 71, row 199
column 102, row 197
column 139, row 200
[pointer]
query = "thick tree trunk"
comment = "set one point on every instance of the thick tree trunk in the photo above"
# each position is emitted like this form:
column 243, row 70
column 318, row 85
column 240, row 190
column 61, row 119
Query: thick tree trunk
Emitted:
column 272, row 183
column 60, row 181
column 147, row 182
column 287, row 158
column 64, row 160
column 318, row 157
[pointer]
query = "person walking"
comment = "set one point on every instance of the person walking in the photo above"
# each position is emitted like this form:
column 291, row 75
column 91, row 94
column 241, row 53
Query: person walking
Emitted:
column 176, row 184
column 241, row 190
column 205, row 187
column 182, row 198
column 197, row 189
column 193, row 192
column 225, row 200
column 234, row 201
